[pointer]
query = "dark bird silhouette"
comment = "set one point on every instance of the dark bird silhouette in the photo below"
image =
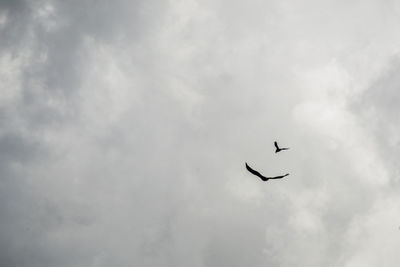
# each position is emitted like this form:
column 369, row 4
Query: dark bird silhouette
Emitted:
column 256, row 173
column 278, row 149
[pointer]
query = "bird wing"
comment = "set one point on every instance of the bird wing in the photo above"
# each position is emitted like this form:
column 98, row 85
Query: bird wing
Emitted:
column 276, row 145
column 252, row 171
column 256, row 173
column 279, row 177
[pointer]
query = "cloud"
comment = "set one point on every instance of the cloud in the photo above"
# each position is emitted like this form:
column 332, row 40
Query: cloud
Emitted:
column 125, row 128
column 372, row 235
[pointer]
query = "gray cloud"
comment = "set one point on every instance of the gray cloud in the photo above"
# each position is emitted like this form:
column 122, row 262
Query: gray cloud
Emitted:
column 124, row 129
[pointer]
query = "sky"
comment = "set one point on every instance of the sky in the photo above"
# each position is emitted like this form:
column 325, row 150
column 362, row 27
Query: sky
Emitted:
column 125, row 127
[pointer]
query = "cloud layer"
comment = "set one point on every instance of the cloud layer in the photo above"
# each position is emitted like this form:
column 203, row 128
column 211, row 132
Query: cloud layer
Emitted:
column 124, row 128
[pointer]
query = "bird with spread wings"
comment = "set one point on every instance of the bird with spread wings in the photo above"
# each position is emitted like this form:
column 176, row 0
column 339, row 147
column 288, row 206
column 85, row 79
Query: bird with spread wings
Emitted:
column 256, row 173
column 279, row 149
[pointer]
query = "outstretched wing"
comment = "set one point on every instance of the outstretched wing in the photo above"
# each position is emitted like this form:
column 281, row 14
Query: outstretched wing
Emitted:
column 256, row 173
column 276, row 145
column 252, row 171
column 279, row 177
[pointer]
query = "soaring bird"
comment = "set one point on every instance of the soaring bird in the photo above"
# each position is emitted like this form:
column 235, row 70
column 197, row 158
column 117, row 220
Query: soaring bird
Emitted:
column 256, row 173
column 278, row 149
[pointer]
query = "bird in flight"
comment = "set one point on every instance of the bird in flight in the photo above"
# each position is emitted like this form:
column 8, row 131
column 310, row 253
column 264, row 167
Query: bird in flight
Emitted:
column 256, row 173
column 278, row 149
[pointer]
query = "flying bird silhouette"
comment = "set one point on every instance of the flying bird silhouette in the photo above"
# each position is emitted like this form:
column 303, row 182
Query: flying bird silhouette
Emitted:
column 278, row 149
column 256, row 173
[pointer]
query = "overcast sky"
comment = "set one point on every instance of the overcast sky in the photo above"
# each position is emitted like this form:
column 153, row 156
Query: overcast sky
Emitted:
column 125, row 127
